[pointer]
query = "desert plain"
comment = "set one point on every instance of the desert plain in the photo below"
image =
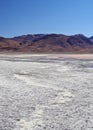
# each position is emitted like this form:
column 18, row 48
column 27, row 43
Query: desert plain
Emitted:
column 46, row 91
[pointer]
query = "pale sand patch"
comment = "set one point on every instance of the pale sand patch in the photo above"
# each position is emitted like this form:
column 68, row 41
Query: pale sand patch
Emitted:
column 77, row 56
column 28, row 80
column 34, row 82
column 37, row 120
column 63, row 97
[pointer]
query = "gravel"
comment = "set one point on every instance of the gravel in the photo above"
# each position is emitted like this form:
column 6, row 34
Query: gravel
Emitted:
column 46, row 92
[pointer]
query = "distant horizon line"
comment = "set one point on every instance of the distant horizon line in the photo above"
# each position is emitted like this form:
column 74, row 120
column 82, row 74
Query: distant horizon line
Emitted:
column 45, row 34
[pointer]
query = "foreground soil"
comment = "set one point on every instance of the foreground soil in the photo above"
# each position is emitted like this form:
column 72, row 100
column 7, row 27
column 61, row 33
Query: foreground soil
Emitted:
column 46, row 92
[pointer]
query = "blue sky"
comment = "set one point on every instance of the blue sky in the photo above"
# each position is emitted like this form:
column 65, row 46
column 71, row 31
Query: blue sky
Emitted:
column 18, row 17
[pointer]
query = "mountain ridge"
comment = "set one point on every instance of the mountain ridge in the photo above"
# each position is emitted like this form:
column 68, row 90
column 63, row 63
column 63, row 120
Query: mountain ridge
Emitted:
column 47, row 43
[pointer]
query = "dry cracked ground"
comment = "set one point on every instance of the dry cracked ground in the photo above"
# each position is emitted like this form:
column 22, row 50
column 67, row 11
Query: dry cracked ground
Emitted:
column 46, row 92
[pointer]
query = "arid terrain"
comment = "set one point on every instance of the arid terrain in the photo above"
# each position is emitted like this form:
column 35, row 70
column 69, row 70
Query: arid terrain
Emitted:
column 47, row 43
column 46, row 92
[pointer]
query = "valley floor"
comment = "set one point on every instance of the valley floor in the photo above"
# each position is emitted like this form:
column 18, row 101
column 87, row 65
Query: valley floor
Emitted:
column 46, row 92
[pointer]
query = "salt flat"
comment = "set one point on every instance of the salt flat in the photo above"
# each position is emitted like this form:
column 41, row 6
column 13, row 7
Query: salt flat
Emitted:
column 46, row 92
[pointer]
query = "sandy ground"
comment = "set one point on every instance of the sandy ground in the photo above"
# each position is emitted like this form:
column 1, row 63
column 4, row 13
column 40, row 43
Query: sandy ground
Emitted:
column 46, row 92
column 76, row 56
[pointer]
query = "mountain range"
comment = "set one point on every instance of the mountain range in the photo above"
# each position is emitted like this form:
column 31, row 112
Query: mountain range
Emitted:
column 47, row 43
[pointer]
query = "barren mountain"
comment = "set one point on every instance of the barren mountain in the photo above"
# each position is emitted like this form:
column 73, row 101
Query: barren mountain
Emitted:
column 7, row 44
column 91, row 39
column 47, row 43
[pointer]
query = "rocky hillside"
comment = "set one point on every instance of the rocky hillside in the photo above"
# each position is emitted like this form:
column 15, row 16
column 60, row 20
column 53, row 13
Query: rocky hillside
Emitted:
column 47, row 43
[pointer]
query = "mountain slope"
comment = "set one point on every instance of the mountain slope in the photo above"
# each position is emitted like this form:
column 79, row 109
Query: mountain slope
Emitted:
column 8, row 44
column 91, row 39
column 47, row 43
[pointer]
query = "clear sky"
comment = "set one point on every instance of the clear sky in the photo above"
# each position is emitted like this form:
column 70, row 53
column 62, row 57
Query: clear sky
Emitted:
column 18, row 17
